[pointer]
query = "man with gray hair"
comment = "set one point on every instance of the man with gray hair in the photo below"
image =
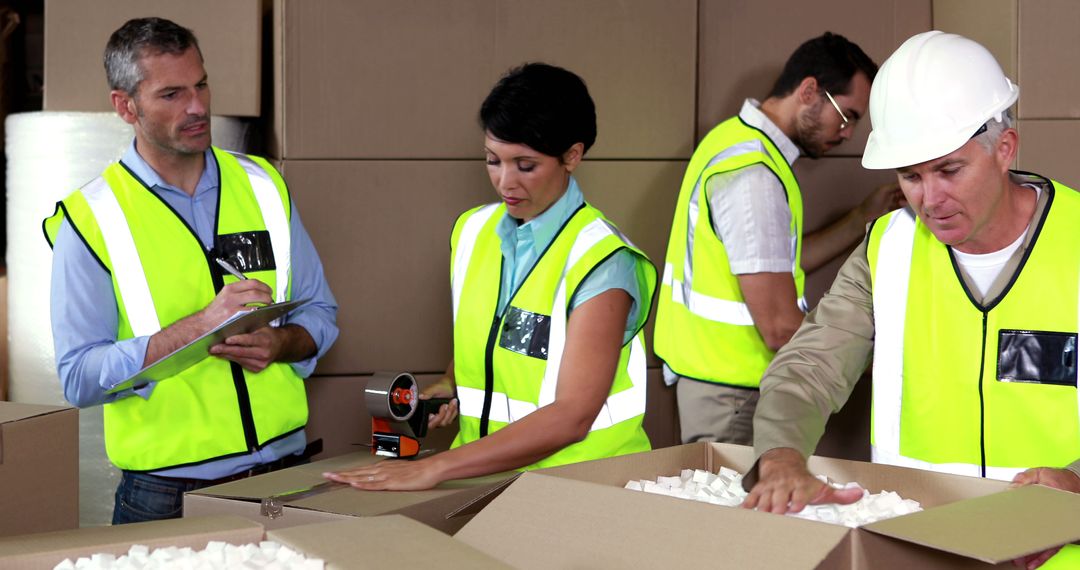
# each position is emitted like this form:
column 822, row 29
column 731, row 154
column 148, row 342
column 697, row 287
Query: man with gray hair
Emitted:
column 168, row 243
column 969, row 299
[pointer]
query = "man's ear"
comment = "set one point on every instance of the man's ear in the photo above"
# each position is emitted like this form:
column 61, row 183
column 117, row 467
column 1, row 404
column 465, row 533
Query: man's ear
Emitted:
column 1006, row 148
column 124, row 104
column 807, row 91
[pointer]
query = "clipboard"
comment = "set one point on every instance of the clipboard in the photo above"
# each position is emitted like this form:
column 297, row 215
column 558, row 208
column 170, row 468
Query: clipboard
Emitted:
column 195, row 351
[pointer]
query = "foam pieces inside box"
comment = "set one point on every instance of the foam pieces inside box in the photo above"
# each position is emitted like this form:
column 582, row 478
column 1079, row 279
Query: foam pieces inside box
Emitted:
column 725, row 488
column 217, row 554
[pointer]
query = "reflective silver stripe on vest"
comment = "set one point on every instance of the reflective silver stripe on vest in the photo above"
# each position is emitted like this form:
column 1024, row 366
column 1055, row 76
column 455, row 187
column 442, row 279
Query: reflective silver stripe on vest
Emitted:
column 463, row 251
column 682, row 290
column 967, row 469
column 891, row 276
column 704, row 306
column 275, row 218
column 618, row 407
column 127, row 267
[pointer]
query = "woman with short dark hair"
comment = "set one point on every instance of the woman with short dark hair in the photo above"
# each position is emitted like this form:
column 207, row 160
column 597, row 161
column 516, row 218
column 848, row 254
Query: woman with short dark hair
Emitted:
column 549, row 299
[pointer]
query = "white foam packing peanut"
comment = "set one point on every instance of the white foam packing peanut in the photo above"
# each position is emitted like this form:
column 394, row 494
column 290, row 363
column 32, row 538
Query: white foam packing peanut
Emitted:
column 725, row 488
column 266, row 554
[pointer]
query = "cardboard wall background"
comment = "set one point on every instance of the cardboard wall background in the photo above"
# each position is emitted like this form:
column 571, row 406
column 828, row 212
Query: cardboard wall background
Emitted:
column 381, row 161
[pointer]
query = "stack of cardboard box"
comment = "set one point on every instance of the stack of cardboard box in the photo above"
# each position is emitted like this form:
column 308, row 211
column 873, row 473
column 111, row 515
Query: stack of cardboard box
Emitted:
column 1035, row 42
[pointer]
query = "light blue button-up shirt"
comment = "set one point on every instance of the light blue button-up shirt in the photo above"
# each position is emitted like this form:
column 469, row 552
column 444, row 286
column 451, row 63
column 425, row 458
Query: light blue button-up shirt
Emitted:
column 90, row 359
column 523, row 243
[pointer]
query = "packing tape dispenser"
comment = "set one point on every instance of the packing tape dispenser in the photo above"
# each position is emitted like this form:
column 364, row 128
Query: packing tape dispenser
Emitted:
column 398, row 415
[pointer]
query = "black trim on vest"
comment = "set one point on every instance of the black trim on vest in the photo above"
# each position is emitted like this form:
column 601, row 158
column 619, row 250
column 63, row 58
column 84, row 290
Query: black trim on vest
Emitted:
column 597, row 266
column 982, row 401
column 985, row 310
column 782, row 157
column 218, row 458
column 716, row 383
column 167, row 205
column 74, row 228
column 217, row 276
column 1023, row 260
column 493, row 334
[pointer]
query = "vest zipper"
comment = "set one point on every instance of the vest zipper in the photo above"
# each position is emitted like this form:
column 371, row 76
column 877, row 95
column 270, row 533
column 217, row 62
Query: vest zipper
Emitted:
column 982, row 402
column 489, row 374
column 243, row 400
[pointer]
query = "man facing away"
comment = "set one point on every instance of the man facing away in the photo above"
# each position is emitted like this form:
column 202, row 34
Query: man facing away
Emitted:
column 137, row 274
column 732, row 292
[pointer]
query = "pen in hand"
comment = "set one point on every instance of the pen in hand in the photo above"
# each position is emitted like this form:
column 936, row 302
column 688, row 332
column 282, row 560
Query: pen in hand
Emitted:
column 229, row 267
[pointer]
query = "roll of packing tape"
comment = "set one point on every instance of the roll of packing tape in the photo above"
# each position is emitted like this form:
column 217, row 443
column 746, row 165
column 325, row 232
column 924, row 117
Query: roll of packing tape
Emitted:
column 393, row 396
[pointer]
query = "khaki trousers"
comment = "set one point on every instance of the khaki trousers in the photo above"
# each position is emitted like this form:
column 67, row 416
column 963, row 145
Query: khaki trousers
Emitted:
column 713, row 412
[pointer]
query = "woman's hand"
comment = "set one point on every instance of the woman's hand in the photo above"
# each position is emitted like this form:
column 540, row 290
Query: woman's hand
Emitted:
column 447, row 413
column 392, row 475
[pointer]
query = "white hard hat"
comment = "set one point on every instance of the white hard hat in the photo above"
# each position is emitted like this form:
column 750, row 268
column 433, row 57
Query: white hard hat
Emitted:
column 930, row 97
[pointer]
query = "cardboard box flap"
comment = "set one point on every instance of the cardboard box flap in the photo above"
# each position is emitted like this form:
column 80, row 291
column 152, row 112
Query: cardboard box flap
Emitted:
column 343, row 499
column 50, row 548
column 994, row 528
column 543, row 521
column 391, row 541
column 11, row 412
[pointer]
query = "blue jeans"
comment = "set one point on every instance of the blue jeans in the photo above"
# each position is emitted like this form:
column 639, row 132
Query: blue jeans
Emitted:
column 143, row 497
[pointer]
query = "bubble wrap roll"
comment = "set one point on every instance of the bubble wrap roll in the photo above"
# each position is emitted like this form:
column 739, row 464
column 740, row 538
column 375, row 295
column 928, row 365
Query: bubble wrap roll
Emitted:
column 49, row 155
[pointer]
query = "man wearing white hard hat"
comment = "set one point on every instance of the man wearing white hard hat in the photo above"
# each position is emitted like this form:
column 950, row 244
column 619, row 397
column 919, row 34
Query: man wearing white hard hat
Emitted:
column 733, row 280
column 969, row 299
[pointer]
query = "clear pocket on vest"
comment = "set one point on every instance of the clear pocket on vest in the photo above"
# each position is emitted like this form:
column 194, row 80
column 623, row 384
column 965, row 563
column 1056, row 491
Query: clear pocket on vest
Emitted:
column 526, row 333
column 247, row 251
column 1038, row 357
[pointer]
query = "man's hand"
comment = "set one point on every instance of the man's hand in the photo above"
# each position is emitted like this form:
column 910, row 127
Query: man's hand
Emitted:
column 1057, row 478
column 234, row 297
column 881, row 201
column 785, row 485
column 254, row 351
column 447, row 413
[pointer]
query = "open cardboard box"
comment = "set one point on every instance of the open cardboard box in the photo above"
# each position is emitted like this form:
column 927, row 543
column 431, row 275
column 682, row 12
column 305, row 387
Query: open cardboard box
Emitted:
column 446, row 507
column 579, row 516
column 355, row 543
column 39, row 468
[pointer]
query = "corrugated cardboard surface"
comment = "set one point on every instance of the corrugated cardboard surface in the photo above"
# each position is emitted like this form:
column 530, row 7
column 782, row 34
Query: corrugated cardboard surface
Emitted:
column 831, row 187
column 1037, row 43
column 972, row 517
column 369, row 79
column 381, row 542
column 743, row 46
column 1049, row 148
column 995, row 528
column 46, row 550
column 382, row 229
column 992, row 23
column 547, row 522
column 1049, row 59
column 229, row 34
column 244, row 497
column 39, row 490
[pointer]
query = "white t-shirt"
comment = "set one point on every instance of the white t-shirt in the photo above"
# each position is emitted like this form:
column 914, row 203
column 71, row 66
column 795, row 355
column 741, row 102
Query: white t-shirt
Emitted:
column 984, row 268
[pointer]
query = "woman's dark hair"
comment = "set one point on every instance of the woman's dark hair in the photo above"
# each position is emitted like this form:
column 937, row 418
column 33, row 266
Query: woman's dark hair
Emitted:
column 545, row 107
column 831, row 59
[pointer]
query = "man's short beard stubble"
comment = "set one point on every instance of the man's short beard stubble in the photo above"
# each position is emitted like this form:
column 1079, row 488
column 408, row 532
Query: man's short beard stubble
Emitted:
column 808, row 131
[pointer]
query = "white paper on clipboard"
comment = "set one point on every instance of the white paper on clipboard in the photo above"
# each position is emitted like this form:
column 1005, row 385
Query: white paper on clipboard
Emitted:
column 195, row 351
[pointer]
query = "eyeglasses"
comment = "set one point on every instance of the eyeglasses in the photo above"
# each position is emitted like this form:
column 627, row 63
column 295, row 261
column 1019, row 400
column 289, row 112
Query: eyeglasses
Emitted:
column 846, row 122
